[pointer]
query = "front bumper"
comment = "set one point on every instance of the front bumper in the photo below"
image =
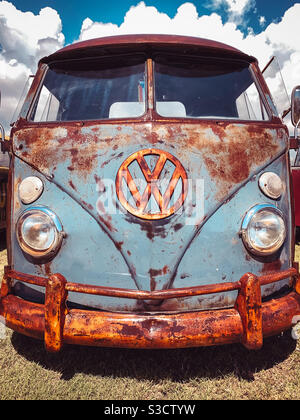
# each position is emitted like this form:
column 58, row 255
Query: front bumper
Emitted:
column 247, row 322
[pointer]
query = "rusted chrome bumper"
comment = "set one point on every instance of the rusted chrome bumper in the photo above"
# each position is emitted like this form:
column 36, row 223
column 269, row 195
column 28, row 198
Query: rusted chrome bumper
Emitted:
column 248, row 322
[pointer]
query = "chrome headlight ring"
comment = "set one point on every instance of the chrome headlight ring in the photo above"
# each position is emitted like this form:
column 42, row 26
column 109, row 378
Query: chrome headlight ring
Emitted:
column 263, row 229
column 39, row 232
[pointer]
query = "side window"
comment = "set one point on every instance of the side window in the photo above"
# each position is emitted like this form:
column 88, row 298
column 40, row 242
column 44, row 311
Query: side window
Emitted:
column 296, row 162
column 250, row 106
column 18, row 110
column 47, row 107
column 280, row 99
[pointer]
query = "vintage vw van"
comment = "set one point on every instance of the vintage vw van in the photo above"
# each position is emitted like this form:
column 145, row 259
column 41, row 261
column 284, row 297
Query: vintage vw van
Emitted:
column 150, row 200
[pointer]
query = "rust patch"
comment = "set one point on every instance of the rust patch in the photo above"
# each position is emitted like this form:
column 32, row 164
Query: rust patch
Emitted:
column 154, row 324
column 152, row 231
column 100, row 184
column 178, row 226
column 154, row 273
column 271, row 267
column 230, row 158
column 107, row 223
column 152, row 228
column 227, row 150
column 131, row 330
column 48, row 270
column 119, row 245
column 47, row 146
column 17, row 203
column 72, row 185
column 111, row 158
column 87, row 205
column 104, row 218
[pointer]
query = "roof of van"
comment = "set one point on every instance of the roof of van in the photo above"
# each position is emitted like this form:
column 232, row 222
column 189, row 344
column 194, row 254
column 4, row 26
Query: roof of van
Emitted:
column 145, row 43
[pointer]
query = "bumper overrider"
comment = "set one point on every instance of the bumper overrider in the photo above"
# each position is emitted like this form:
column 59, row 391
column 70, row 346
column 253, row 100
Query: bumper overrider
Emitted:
column 247, row 322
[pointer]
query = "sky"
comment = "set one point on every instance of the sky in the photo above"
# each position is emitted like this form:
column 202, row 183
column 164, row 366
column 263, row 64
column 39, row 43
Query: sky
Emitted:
column 32, row 29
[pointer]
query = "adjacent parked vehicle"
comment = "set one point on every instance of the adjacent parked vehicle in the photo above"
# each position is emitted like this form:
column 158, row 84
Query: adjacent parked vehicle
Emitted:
column 296, row 190
column 150, row 199
column 4, row 164
column 296, row 160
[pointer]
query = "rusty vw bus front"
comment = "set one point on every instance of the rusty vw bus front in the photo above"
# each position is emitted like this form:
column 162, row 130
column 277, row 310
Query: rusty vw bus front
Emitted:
column 150, row 199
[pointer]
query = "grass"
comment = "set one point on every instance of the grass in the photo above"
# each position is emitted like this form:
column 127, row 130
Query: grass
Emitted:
column 213, row 373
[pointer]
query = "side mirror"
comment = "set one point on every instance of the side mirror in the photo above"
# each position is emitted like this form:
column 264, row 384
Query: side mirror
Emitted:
column 295, row 106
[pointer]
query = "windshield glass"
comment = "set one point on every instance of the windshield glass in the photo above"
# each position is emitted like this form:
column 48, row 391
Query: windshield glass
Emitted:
column 87, row 90
column 206, row 88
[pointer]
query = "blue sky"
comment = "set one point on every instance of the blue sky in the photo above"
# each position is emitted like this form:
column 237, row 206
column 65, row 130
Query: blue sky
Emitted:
column 32, row 29
column 73, row 12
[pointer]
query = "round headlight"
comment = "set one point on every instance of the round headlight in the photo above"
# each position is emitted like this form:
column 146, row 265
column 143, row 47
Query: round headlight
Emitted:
column 263, row 229
column 39, row 232
column 30, row 189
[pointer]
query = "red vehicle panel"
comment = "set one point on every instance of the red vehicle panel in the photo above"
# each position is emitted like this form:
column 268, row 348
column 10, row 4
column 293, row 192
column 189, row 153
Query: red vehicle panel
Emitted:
column 4, row 163
column 296, row 188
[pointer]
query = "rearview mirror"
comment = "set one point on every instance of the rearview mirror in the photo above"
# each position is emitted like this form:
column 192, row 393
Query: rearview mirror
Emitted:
column 295, row 102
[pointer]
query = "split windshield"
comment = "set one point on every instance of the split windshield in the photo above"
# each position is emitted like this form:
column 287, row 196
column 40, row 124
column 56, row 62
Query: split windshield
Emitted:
column 207, row 89
column 183, row 88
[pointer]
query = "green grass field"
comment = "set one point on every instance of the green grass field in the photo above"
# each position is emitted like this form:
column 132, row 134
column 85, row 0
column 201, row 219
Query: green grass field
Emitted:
column 213, row 373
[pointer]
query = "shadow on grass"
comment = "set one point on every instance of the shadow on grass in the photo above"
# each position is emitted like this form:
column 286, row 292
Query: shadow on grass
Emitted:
column 177, row 365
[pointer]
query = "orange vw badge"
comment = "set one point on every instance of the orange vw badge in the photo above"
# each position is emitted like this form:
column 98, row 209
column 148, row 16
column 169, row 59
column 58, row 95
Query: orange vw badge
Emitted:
column 151, row 184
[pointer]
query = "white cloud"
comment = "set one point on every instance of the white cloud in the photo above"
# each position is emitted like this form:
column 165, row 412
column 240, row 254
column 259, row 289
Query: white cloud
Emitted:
column 236, row 9
column 147, row 19
column 233, row 6
column 280, row 39
column 22, row 34
column 91, row 29
column 24, row 39
column 277, row 37
column 262, row 20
